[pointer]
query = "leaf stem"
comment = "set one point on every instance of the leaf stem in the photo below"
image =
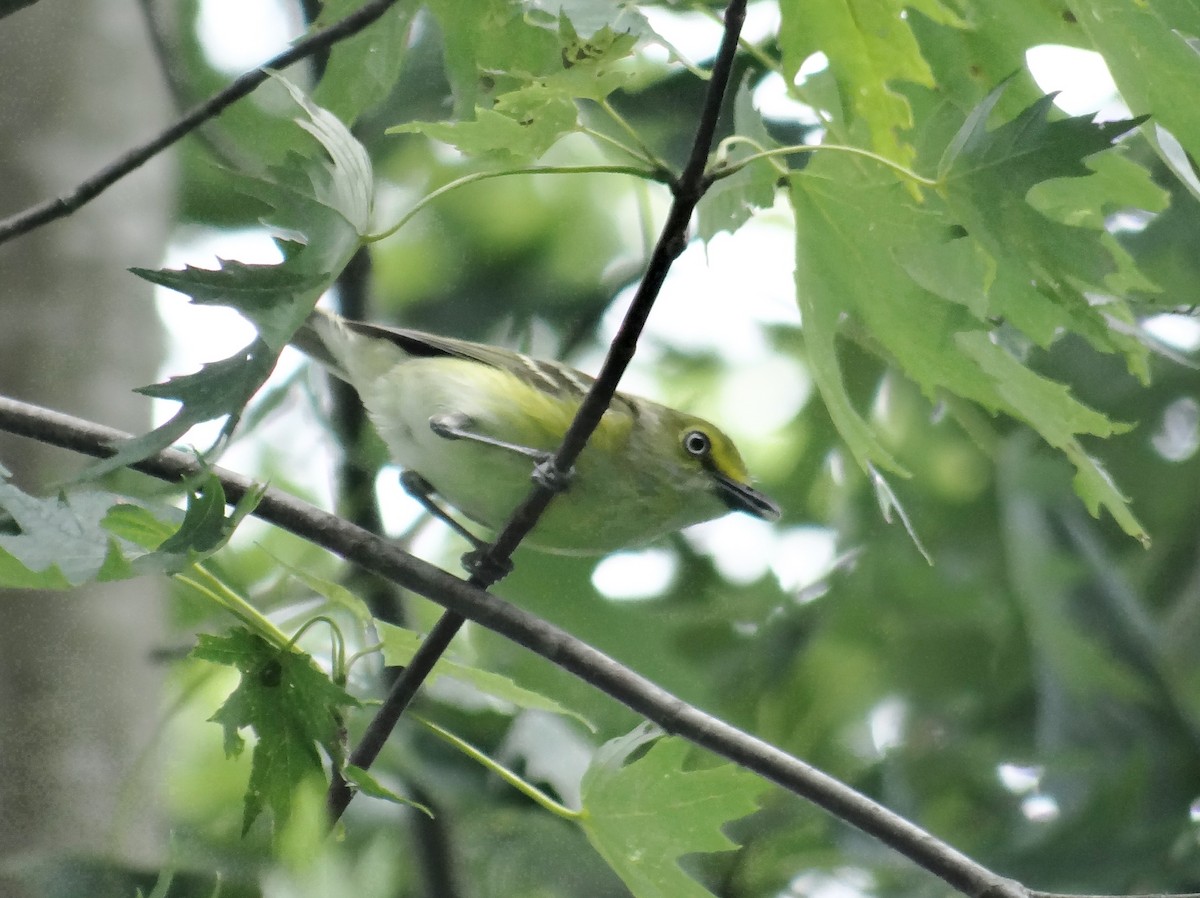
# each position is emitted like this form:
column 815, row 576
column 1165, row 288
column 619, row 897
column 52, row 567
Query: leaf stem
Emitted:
column 733, row 140
column 622, row 123
column 523, row 786
column 210, row 586
column 795, row 149
column 338, row 645
column 362, row 653
column 616, row 144
column 475, row 177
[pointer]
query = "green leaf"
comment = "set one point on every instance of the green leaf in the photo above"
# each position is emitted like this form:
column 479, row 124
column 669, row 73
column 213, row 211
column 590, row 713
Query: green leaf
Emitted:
column 536, row 80
column 1150, row 51
column 364, row 782
column 291, row 706
column 363, row 69
column 486, row 36
column 988, row 176
column 1057, row 417
column 205, row 527
column 399, row 646
column 604, row 22
column 88, row 535
column 140, row 526
column 336, row 594
column 869, row 44
column 527, row 127
column 59, row 542
column 488, row 45
column 925, row 283
column 1030, row 148
column 642, row 816
column 271, row 297
column 218, row 389
column 326, row 201
column 731, row 201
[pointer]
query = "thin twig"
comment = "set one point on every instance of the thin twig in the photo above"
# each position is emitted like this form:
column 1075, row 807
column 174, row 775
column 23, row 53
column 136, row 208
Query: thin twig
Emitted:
column 733, row 168
column 169, row 63
column 572, row 655
column 475, row 177
column 88, row 189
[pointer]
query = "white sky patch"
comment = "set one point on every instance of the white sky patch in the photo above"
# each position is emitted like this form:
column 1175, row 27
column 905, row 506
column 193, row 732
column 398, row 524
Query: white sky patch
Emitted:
column 553, row 752
column 397, row 508
column 695, row 35
column 772, row 99
column 817, row 62
column 1020, row 779
column 1178, row 434
column 762, row 397
column 200, row 334
column 717, row 299
column 762, row 21
column 886, row 723
column 846, row 882
column 803, row 556
column 632, row 576
column 196, row 334
column 238, row 35
column 1081, row 76
column 1180, row 332
column 741, row 547
column 1040, row 808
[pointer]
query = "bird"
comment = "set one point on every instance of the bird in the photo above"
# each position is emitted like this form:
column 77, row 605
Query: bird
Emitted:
column 473, row 422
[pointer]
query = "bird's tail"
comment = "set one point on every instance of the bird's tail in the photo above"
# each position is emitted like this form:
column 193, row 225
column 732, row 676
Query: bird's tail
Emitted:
column 348, row 355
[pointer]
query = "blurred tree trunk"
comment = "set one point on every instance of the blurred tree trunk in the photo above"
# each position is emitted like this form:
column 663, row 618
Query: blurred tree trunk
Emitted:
column 79, row 695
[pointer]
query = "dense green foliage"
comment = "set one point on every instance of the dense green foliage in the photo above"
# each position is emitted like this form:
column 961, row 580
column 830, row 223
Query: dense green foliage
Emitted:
column 992, row 459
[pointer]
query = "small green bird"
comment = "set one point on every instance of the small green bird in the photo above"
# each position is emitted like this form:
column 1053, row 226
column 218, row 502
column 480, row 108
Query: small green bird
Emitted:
column 471, row 420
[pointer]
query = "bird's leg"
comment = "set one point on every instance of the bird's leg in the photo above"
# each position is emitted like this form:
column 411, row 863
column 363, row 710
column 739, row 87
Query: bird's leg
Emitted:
column 478, row 560
column 422, row 490
column 455, row 426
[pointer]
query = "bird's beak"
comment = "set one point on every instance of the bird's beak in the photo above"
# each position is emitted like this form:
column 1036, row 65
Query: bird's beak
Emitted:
column 743, row 497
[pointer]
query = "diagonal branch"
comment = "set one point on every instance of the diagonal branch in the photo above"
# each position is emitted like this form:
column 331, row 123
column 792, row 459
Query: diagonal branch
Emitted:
column 578, row 658
column 674, row 715
column 495, row 560
column 87, row 190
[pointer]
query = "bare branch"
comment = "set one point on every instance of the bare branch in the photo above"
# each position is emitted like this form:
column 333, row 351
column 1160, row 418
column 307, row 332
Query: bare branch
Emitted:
column 87, row 190
column 578, row 658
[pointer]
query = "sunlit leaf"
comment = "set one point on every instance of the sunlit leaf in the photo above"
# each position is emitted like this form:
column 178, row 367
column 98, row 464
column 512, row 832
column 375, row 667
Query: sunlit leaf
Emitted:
column 644, row 814
column 291, row 707
column 321, row 206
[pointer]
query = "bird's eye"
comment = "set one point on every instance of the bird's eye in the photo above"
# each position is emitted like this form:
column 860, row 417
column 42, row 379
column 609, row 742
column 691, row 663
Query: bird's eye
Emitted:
column 697, row 443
